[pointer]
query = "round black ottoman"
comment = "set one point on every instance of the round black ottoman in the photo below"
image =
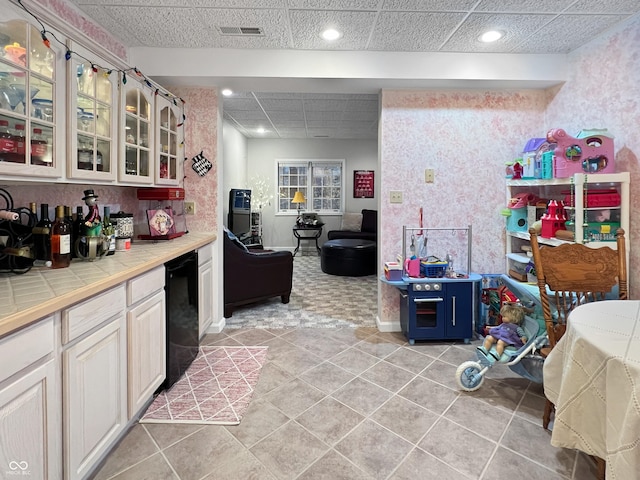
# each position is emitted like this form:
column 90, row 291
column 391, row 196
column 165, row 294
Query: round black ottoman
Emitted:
column 349, row 257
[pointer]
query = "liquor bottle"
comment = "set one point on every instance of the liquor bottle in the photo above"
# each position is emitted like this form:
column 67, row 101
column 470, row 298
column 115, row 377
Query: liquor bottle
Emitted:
column 42, row 235
column 60, row 240
column 109, row 230
column 76, row 229
column 39, row 148
column 85, row 153
column 20, row 139
column 7, row 142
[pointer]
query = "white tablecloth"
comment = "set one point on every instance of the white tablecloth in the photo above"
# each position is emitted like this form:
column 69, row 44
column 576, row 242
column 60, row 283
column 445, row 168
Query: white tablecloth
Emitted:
column 593, row 378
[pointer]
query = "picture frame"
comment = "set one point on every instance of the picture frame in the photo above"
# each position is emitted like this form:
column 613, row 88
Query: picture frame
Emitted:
column 363, row 183
column 161, row 222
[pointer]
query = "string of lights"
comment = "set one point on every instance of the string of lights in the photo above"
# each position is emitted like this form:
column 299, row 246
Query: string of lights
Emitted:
column 96, row 67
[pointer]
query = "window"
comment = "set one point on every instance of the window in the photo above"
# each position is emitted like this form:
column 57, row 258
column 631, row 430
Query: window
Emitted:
column 320, row 181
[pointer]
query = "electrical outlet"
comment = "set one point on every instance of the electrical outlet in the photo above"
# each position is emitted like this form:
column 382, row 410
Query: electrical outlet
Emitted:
column 190, row 208
column 395, row 196
column 429, row 175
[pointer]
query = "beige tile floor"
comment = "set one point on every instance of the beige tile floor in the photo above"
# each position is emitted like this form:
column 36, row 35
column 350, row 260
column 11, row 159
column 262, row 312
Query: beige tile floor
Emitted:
column 358, row 404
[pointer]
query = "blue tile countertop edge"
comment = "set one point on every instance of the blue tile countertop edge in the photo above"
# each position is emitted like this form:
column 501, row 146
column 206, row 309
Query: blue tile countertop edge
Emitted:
column 27, row 298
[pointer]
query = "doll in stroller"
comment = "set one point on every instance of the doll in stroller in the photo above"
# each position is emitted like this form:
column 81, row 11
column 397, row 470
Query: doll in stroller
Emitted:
column 517, row 350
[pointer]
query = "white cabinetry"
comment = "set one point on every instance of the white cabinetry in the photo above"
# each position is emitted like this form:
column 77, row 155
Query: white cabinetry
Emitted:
column 146, row 337
column 93, row 131
column 205, row 288
column 169, row 141
column 32, row 84
column 137, row 134
column 30, row 405
column 94, row 379
column 582, row 191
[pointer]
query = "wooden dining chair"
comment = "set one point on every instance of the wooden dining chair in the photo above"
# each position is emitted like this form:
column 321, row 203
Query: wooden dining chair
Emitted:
column 572, row 274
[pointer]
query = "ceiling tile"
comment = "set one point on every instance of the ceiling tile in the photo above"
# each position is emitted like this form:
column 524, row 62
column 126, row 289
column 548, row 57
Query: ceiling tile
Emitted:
column 429, row 5
column 515, row 27
column 307, row 25
column 413, row 32
column 522, row 6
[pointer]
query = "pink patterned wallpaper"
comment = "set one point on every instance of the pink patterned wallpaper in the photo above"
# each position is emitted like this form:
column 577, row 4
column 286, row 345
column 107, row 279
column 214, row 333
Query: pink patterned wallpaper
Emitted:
column 467, row 136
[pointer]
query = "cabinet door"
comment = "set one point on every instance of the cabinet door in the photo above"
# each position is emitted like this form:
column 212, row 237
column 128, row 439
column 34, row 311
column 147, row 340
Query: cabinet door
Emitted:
column 92, row 126
column 146, row 340
column 205, row 294
column 136, row 131
column 169, row 141
column 29, row 416
column 94, row 396
column 459, row 310
column 31, row 102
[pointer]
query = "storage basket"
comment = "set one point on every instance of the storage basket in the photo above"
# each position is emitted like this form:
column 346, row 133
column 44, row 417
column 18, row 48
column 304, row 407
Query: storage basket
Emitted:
column 433, row 269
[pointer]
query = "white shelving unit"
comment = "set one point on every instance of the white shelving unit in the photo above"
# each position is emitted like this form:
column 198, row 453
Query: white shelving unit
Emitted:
column 555, row 189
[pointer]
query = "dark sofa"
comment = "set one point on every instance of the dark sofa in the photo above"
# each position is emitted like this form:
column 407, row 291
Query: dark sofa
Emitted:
column 252, row 275
column 368, row 229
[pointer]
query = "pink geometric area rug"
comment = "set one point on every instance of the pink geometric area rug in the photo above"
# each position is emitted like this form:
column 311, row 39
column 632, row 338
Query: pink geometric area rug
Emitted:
column 216, row 388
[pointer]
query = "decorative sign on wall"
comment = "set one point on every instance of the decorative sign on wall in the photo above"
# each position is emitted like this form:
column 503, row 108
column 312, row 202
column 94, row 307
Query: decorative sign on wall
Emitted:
column 363, row 184
column 201, row 165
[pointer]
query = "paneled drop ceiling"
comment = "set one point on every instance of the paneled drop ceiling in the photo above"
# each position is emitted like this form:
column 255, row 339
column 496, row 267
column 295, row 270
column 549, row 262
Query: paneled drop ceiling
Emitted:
column 529, row 27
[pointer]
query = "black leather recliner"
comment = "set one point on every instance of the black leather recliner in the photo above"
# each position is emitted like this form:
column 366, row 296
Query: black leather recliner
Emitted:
column 252, row 275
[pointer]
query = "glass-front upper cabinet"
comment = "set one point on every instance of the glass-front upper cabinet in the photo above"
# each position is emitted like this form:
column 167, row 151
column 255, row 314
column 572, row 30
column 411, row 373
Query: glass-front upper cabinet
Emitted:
column 136, row 130
column 31, row 102
column 93, row 130
column 169, row 140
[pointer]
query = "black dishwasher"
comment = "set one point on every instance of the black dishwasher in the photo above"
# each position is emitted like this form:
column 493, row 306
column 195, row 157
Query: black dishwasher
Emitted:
column 181, row 290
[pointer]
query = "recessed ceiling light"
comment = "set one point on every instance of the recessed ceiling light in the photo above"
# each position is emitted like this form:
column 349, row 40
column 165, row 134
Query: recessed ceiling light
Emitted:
column 491, row 36
column 261, row 130
column 227, row 92
column 331, row 34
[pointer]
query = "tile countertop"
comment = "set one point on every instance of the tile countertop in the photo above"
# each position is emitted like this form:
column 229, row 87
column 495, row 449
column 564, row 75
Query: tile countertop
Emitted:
column 42, row 291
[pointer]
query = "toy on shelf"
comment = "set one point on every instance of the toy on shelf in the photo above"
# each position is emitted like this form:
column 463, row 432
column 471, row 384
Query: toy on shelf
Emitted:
column 553, row 220
column 590, row 152
column 517, row 211
column 532, row 157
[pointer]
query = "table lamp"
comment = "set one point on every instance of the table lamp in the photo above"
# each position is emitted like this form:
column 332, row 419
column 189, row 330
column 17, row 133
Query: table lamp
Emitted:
column 299, row 199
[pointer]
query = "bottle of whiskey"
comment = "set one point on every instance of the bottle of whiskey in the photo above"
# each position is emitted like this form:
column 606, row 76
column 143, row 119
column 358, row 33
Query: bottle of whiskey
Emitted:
column 109, row 230
column 76, row 229
column 60, row 240
column 42, row 235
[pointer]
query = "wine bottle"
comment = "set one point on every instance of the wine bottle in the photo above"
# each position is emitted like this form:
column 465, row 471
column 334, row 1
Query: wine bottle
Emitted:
column 42, row 235
column 60, row 240
column 76, row 229
column 109, row 230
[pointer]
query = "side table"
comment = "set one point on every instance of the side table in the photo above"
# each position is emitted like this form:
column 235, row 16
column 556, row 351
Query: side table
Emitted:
column 307, row 233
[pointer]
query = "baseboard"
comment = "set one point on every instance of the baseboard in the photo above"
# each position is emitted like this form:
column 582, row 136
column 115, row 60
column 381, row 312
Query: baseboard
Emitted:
column 216, row 327
column 388, row 326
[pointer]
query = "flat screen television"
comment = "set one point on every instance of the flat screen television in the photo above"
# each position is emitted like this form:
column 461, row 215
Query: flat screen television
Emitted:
column 239, row 217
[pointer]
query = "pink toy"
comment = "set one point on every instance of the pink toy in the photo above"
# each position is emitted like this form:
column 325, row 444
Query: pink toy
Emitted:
column 590, row 152
column 553, row 220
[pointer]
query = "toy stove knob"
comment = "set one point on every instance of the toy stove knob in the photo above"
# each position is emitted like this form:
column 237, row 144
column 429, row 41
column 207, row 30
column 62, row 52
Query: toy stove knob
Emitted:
column 417, row 287
column 436, row 286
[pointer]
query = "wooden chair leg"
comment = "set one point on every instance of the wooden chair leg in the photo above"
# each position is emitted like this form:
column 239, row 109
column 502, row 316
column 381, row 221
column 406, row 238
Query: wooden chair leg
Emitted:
column 546, row 416
column 601, row 466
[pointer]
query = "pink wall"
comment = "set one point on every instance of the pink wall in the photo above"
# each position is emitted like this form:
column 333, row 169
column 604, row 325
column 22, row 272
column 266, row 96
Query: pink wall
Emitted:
column 201, row 135
column 603, row 91
column 466, row 136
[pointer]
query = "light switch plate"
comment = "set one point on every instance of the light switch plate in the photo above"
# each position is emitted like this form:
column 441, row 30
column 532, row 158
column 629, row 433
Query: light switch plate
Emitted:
column 395, row 196
column 429, row 175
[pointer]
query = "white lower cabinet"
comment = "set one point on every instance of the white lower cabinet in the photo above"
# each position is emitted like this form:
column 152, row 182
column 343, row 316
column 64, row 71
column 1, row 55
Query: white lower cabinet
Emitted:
column 205, row 288
column 146, row 338
column 94, row 380
column 30, row 405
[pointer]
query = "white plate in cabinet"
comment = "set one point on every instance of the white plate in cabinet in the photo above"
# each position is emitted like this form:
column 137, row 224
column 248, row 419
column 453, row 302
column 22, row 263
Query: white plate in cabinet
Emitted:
column 94, row 396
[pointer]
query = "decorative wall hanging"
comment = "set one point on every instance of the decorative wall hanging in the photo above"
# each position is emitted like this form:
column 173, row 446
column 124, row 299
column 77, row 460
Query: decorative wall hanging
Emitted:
column 363, row 184
column 201, row 165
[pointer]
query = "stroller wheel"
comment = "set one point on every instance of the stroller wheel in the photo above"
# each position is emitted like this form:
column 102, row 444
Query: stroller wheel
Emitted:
column 468, row 376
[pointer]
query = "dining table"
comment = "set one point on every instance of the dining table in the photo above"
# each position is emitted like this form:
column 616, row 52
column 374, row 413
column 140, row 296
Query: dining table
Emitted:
column 592, row 376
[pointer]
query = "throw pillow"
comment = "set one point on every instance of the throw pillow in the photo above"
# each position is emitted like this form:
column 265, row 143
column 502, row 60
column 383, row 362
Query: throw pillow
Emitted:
column 351, row 222
column 235, row 239
column 369, row 221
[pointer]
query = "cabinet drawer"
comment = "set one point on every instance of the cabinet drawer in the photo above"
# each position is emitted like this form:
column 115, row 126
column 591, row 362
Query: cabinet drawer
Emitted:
column 144, row 285
column 25, row 347
column 81, row 318
column 205, row 253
